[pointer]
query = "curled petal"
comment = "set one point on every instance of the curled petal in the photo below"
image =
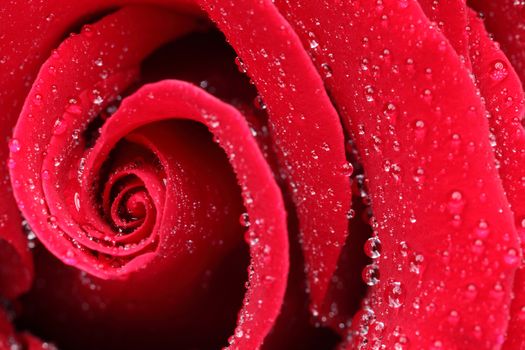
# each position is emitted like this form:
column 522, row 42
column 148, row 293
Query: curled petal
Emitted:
column 145, row 194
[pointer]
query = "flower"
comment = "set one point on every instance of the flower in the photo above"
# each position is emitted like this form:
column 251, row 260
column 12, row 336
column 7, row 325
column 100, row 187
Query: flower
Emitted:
column 367, row 151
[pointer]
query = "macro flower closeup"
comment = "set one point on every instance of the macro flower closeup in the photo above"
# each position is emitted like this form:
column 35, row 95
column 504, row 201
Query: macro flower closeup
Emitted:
column 262, row 174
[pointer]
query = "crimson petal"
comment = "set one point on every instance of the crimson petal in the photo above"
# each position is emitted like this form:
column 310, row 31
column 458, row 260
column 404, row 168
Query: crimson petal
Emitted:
column 440, row 211
column 95, row 80
column 504, row 98
column 305, row 127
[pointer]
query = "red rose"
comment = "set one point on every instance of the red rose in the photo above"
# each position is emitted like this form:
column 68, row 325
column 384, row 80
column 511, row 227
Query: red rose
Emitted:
column 368, row 152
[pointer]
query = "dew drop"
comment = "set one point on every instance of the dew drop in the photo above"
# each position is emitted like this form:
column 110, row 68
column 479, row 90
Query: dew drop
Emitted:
column 403, row 249
column 376, row 329
column 453, row 317
column 511, row 257
column 456, row 220
column 456, row 202
column 436, row 345
column 373, row 247
column 240, row 65
column 11, row 163
column 239, row 333
column 416, row 263
column 98, row 100
column 314, row 44
column 14, row 145
column 471, row 292
column 478, row 247
column 258, row 102
column 70, row 257
column 60, row 126
column 369, row 93
column 347, row 169
column 498, row 70
column 390, row 111
column 482, row 229
column 521, row 314
column 419, row 175
column 394, row 294
column 37, row 100
column 420, row 129
column 497, row 291
column 87, row 30
column 370, row 274
column 98, row 62
column 52, row 222
column 455, row 141
column 244, row 220
column 326, row 70
column 426, row 95
column 251, row 237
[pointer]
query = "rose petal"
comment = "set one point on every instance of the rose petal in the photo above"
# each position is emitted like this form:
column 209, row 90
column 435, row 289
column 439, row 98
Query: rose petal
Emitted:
column 23, row 51
column 504, row 99
column 438, row 202
column 305, row 127
column 67, row 235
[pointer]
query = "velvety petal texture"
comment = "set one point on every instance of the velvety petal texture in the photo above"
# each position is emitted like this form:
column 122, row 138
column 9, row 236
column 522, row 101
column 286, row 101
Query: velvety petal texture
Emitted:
column 262, row 174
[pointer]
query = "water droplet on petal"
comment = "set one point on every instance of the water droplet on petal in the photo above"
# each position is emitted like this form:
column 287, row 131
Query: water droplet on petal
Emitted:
column 60, row 126
column 98, row 100
column 240, row 65
column 370, row 274
column 456, row 202
column 521, row 314
column 426, row 95
column 244, row 220
column 482, row 229
column 258, row 102
column 497, row 291
column 511, row 257
column 416, row 263
column 347, row 169
column 239, row 333
column 98, row 62
column 52, row 221
column 420, row 129
column 498, row 70
column 471, row 292
column 436, row 345
column 326, row 70
column 394, row 294
column 14, row 145
column 70, row 257
column 453, row 317
column 402, row 4
column 478, row 247
column 373, row 247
